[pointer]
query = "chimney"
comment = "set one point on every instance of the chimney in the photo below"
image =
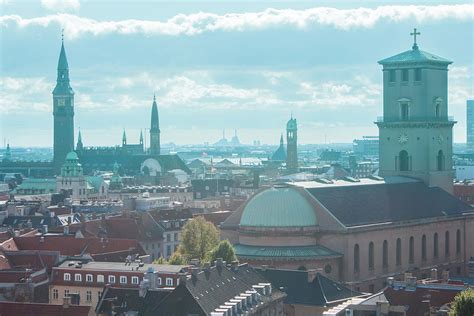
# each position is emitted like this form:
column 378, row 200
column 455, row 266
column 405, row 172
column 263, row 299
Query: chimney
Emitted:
column 434, row 274
column 406, row 276
column 183, row 277
column 390, row 281
column 66, row 230
column 445, row 275
column 411, row 283
column 45, row 229
column 312, row 273
column 144, row 286
column 235, row 265
column 151, row 277
column 66, row 301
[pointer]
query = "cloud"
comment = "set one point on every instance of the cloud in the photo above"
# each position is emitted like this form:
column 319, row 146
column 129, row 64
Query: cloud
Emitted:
column 25, row 94
column 201, row 22
column 60, row 5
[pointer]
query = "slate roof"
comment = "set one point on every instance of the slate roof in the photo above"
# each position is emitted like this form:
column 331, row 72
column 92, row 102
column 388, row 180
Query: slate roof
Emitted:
column 415, row 55
column 39, row 309
column 355, row 205
column 320, row 292
column 292, row 252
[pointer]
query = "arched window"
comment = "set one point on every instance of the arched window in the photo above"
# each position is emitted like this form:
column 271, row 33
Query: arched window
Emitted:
column 437, row 110
column 385, row 254
column 411, row 250
column 446, row 243
column 403, row 160
column 458, row 241
column 356, row 258
column 440, row 161
column 399, row 251
column 371, row 255
column 423, row 248
column 435, row 245
column 404, row 111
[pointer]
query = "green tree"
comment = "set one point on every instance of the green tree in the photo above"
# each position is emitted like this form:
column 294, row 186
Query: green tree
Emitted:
column 223, row 250
column 160, row 260
column 177, row 259
column 463, row 304
column 198, row 238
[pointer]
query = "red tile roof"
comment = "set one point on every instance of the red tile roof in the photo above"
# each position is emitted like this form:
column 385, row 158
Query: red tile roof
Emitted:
column 28, row 309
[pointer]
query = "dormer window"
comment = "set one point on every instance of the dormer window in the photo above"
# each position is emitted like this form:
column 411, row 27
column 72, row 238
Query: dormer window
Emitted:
column 405, row 75
column 417, row 74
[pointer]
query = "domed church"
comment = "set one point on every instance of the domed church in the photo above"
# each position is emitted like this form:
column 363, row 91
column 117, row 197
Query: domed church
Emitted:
column 361, row 231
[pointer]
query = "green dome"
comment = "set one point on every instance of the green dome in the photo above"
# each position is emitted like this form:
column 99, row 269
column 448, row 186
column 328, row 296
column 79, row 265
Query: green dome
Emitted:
column 72, row 156
column 278, row 207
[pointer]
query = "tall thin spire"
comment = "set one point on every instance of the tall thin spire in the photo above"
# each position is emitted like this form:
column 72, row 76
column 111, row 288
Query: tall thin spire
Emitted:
column 281, row 139
column 79, row 145
column 141, row 137
column 124, row 138
column 155, row 129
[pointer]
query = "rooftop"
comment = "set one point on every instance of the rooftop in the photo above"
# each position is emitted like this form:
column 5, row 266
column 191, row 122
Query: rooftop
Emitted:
column 122, row 266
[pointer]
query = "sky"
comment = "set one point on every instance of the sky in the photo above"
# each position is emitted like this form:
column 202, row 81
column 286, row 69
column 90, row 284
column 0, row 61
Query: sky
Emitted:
column 233, row 65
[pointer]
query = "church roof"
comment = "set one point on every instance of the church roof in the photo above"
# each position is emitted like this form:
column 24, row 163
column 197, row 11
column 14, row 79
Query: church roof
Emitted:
column 415, row 55
column 280, row 153
column 365, row 204
column 278, row 207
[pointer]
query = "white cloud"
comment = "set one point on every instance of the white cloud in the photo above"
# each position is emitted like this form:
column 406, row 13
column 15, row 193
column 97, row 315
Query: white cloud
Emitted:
column 60, row 5
column 198, row 23
column 24, row 94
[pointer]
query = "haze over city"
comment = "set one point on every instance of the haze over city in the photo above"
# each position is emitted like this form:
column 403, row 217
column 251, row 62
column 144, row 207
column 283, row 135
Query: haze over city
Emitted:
column 245, row 66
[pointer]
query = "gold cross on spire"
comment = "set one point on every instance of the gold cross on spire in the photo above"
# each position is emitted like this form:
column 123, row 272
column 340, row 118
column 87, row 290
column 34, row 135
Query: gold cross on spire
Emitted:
column 415, row 33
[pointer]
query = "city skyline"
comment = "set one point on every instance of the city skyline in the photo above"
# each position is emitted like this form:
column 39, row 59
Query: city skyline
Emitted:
column 248, row 76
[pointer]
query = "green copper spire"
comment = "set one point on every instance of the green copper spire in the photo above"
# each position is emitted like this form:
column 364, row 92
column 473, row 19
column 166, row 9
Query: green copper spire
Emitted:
column 281, row 139
column 154, row 129
column 62, row 80
column 124, row 138
column 79, row 145
column 141, row 137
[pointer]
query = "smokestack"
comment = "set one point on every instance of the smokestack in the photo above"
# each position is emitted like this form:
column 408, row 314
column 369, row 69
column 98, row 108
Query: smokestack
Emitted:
column 434, row 274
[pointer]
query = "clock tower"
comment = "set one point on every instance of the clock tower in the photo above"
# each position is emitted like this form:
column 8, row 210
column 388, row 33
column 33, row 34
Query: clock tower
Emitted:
column 63, row 112
column 415, row 131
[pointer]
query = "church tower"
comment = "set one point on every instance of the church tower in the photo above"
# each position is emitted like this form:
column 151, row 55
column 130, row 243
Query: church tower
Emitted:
column 291, row 146
column 79, row 145
column 154, row 130
column 63, row 112
column 415, row 130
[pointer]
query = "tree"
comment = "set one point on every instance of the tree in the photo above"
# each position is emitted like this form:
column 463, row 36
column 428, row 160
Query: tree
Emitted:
column 223, row 250
column 463, row 303
column 160, row 260
column 177, row 259
column 198, row 237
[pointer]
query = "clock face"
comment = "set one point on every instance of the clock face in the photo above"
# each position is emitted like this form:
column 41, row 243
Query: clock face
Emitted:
column 403, row 138
column 61, row 102
column 440, row 139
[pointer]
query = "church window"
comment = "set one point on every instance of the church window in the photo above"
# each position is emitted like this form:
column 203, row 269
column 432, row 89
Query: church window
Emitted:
column 411, row 250
column 356, row 258
column 437, row 110
column 458, row 241
column 404, row 111
column 435, row 245
column 393, row 75
column 418, row 74
column 446, row 243
column 404, row 161
column 405, row 75
column 440, row 161
column 385, row 254
column 423, row 248
column 399, row 252
column 371, row 255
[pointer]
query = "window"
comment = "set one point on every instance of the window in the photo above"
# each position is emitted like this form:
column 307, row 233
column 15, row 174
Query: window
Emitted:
column 404, row 111
column 404, row 161
column 437, row 110
column 356, row 258
column 385, row 254
column 88, row 296
column 411, row 250
column 440, row 161
column 159, row 281
column 168, row 250
column 446, row 244
column 111, row 279
column 123, row 279
column 100, row 278
column 176, row 236
column 55, row 294
column 405, row 75
column 371, row 255
column 458, row 242
column 67, row 276
column 423, row 248
column 392, row 75
column 89, row 278
column 168, row 237
column 417, row 74
column 399, row 252
column 135, row 280
column 435, row 245
column 66, row 292
column 169, row 282
column 78, row 277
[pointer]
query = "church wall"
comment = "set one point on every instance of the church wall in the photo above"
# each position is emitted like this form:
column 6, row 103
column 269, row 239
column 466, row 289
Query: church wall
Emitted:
column 275, row 240
column 378, row 275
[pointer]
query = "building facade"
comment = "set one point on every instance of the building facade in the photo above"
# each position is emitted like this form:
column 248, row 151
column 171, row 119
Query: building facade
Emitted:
column 292, row 146
column 470, row 123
